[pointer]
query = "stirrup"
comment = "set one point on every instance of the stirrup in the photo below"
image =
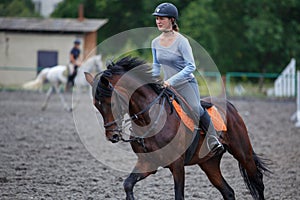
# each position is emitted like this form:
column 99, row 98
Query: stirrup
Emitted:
column 215, row 146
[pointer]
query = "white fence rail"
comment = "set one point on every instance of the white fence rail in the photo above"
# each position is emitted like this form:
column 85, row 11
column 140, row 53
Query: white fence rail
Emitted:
column 296, row 116
column 285, row 84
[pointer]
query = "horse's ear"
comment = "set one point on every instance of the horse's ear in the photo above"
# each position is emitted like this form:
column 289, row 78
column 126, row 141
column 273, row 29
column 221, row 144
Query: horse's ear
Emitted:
column 89, row 78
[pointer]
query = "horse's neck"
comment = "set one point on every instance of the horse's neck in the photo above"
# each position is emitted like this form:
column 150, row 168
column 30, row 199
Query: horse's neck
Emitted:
column 140, row 100
column 91, row 64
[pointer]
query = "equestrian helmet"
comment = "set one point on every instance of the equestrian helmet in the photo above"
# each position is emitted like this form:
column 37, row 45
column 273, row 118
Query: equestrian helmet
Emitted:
column 166, row 10
column 77, row 41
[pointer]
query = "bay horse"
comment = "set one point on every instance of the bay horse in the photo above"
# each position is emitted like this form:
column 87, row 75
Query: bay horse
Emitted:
column 127, row 86
column 58, row 75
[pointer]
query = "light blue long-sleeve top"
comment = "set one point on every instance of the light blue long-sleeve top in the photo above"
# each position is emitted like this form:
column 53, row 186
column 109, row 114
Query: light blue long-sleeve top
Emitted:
column 176, row 60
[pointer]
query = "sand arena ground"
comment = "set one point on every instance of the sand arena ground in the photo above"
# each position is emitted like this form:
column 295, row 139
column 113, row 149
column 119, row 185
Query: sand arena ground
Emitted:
column 43, row 157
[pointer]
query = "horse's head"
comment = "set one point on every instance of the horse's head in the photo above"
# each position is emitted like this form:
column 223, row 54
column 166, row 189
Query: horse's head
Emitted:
column 113, row 89
column 109, row 105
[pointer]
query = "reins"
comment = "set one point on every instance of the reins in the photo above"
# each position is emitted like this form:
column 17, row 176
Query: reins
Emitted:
column 105, row 89
column 139, row 139
column 135, row 116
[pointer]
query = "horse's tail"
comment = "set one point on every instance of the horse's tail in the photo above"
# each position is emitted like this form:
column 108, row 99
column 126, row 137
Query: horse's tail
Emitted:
column 38, row 82
column 252, row 166
column 255, row 183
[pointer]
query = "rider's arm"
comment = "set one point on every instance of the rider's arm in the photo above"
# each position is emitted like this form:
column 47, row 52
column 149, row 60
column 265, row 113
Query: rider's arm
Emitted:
column 72, row 59
column 155, row 65
column 187, row 53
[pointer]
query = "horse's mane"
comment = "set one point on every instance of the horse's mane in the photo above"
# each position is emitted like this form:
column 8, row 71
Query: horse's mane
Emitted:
column 138, row 69
column 128, row 63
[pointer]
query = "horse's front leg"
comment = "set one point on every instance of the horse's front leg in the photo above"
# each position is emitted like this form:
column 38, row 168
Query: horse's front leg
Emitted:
column 62, row 98
column 138, row 173
column 177, row 170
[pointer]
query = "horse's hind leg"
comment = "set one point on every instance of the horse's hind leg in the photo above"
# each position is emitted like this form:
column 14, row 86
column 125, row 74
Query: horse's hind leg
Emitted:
column 211, row 168
column 62, row 99
column 49, row 93
column 239, row 145
column 251, row 169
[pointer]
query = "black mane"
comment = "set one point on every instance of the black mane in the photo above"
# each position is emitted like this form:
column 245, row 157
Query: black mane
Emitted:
column 127, row 64
column 139, row 70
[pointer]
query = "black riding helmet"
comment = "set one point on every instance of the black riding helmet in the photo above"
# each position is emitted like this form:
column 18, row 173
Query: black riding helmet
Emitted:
column 77, row 41
column 166, row 10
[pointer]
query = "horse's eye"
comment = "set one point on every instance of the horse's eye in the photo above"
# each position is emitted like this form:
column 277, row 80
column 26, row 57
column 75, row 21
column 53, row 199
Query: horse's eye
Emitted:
column 112, row 105
column 97, row 103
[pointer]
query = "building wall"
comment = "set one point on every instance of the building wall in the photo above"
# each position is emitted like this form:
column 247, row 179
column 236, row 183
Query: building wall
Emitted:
column 90, row 44
column 18, row 52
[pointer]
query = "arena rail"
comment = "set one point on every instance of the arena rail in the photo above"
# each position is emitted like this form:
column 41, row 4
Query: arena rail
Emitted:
column 14, row 68
column 229, row 75
column 296, row 116
column 285, row 84
column 10, row 68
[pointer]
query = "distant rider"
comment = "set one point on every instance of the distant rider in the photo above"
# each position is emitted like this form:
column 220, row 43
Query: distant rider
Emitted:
column 74, row 63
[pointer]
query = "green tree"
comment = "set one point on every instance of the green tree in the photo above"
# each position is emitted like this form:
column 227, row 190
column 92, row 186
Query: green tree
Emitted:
column 121, row 14
column 67, row 9
column 199, row 21
column 240, row 35
column 232, row 43
column 257, row 35
column 17, row 8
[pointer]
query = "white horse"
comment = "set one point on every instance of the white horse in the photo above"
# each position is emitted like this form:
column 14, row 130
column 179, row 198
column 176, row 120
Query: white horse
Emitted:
column 58, row 75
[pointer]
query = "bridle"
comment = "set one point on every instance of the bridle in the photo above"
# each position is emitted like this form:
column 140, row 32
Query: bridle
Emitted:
column 120, row 118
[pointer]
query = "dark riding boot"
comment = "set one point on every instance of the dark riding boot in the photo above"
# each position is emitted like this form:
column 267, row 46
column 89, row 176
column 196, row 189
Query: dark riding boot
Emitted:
column 213, row 144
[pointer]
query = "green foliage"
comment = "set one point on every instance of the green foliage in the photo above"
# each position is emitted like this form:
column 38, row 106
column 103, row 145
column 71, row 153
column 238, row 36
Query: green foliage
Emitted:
column 240, row 35
column 200, row 22
column 257, row 35
column 67, row 9
column 17, row 8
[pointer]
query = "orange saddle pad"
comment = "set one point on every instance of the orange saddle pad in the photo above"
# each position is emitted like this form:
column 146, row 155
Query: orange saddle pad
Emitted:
column 216, row 118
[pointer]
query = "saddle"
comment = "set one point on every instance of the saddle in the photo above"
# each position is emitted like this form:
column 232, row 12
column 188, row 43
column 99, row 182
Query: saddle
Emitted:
column 190, row 121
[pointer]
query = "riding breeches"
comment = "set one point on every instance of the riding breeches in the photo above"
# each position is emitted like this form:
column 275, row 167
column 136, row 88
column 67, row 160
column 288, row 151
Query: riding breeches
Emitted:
column 189, row 91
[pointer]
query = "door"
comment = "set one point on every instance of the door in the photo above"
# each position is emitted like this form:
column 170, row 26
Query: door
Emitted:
column 46, row 59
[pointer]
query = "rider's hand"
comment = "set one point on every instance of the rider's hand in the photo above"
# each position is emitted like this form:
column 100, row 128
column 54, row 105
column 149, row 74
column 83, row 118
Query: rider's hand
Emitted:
column 166, row 84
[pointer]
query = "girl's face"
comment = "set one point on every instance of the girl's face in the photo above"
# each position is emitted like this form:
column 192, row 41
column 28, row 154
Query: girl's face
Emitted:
column 163, row 23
